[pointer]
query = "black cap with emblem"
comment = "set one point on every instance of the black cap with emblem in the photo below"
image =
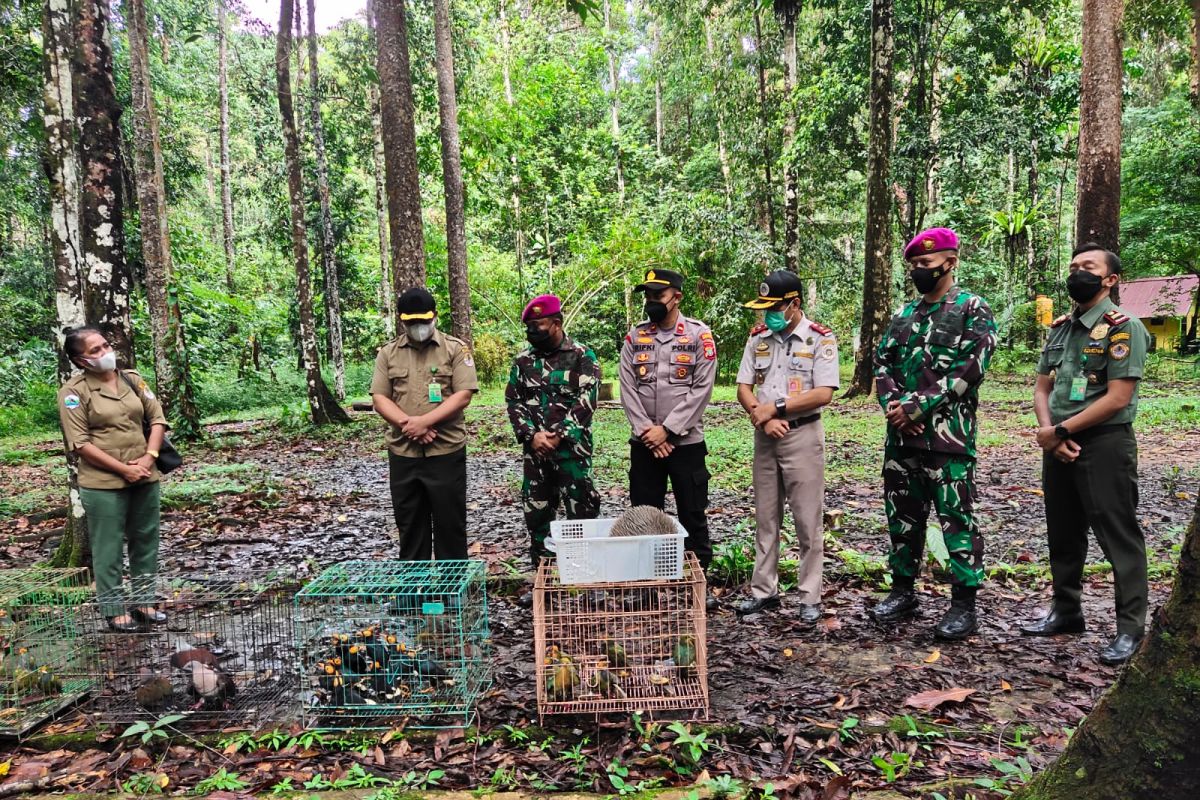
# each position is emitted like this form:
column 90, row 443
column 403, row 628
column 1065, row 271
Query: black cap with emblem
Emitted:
column 780, row 285
column 415, row 303
column 658, row 279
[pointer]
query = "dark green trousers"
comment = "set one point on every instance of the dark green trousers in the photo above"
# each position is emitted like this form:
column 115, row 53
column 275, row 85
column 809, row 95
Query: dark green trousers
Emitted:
column 115, row 516
column 1098, row 490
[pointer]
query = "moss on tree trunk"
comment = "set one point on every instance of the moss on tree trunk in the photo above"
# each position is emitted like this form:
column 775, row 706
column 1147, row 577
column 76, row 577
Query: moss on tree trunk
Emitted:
column 1141, row 739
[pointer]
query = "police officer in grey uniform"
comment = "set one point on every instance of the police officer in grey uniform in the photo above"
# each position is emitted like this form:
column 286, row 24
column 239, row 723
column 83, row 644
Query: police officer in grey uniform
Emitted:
column 668, row 367
column 789, row 372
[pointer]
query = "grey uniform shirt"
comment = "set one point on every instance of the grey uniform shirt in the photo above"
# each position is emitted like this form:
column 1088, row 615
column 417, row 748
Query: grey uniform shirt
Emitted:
column 784, row 365
column 667, row 378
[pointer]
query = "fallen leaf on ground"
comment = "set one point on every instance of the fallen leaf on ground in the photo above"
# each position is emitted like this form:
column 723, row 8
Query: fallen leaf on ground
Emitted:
column 928, row 701
column 934, row 656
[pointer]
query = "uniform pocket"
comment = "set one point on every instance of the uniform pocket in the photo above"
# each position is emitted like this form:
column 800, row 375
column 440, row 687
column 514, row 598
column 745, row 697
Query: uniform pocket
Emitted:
column 682, row 366
column 398, row 376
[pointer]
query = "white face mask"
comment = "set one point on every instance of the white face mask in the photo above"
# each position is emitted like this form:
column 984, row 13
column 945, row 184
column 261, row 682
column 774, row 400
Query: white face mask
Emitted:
column 105, row 363
column 421, row 331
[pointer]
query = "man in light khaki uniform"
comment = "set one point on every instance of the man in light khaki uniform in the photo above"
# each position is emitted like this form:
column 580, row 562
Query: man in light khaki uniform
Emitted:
column 423, row 381
column 667, row 370
column 788, row 373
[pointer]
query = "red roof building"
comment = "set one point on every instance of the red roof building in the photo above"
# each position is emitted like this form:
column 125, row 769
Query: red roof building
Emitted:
column 1166, row 306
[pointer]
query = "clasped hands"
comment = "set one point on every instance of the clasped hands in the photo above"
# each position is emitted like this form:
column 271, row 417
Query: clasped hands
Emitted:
column 1064, row 450
column 138, row 469
column 417, row 429
column 655, row 440
column 544, row 443
column 765, row 418
column 897, row 417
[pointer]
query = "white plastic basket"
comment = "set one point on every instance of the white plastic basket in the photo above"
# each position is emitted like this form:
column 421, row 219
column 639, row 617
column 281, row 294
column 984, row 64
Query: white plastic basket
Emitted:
column 588, row 554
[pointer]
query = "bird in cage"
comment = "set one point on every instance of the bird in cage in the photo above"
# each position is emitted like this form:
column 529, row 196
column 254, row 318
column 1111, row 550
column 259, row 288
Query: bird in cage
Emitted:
column 604, row 682
column 643, row 521
column 39, row 680
column 563, row 679
column 211, row 686
column 684, row 656
column 154, row 694
column 181, row 658
column 614, row 651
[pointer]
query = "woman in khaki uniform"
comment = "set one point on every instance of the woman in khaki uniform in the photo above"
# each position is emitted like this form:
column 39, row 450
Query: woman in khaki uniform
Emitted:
column 101, row 412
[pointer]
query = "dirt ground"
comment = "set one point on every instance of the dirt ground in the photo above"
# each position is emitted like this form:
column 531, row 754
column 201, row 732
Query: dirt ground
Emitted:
column 810, row 707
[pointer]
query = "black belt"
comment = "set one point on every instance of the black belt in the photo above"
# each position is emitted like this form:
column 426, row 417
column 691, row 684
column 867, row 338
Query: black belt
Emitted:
column 802, row 421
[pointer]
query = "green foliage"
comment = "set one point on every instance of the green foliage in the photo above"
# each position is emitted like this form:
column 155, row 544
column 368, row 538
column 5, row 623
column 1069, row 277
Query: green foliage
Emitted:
column 220, row 781
column 150, row 732
column 1012, row 773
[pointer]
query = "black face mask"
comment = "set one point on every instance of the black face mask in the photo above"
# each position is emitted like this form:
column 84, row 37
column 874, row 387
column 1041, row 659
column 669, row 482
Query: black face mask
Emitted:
column 926, row 279
column 1083, row 286
column 656, row 312
column 540, row 339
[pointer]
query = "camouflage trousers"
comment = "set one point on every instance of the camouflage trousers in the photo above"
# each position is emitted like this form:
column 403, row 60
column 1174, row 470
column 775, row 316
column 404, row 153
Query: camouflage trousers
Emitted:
column 547, row 480
column 914, row 479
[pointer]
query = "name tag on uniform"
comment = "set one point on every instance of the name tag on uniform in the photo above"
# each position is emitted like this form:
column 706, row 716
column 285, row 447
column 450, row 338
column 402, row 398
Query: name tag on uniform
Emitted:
column 435, row 392
column 795, row 387
column 1078, row 388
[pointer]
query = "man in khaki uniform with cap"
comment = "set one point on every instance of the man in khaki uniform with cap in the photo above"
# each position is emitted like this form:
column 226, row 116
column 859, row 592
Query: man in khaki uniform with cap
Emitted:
column 788, row 373
column 668, row 367
column 423, row 380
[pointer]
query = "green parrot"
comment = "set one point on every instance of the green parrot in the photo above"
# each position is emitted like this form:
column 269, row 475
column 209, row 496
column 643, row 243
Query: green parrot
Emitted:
column 563, row 680
column 615, row 653
column 684, row 656
column 605, row 682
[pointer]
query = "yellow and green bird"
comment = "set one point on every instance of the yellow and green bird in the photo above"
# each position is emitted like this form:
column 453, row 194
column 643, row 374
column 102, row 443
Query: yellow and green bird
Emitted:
column 684, row 656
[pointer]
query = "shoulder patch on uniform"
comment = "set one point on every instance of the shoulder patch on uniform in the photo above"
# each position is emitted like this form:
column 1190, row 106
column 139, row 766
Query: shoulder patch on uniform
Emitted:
column 710, row 347
column 1119, row 337
column 757, row 329
column 1115, row 317
column 1061, row 320
column 71, row 401
column 467, row 359
column 821, row 329
column 628, row 339
column 1119, row 351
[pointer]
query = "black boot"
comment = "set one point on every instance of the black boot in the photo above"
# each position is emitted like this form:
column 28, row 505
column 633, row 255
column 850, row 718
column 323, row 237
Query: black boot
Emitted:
column 900, row 602
column 960, row 621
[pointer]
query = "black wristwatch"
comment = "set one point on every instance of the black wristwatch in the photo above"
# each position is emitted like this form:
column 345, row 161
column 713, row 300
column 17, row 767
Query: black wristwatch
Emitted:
column 1061, row 432
column 781, row 408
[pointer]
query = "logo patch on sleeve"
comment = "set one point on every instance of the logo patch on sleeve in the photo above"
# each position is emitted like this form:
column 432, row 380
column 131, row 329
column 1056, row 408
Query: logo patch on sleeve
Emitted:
column 1119, row 351
column 71, row 401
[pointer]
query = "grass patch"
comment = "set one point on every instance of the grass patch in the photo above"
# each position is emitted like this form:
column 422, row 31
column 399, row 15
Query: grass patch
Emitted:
column 32, row 501
column 180, row 494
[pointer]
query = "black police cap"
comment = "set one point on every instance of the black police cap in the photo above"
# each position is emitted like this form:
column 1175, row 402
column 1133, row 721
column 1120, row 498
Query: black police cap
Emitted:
column 658, row 279
column 415, row 304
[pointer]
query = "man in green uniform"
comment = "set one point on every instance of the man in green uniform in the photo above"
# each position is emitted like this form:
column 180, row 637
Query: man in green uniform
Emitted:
column 1085, row 400
column 423, row 381
column 551, row 396
column 928, row 368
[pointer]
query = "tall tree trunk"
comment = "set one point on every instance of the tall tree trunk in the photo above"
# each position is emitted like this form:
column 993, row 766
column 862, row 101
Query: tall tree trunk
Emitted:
column 1139, row 742
column 1098, row 185
column 322, row 403
column 1195, row 74
column 515, row 172
column 658, row 103
column 400, row 147
column 615, row 120
column 791, row 195
column 173, row 379
column 722, row 153
column 764, row 117
column 66, row 239
column 387, row 294
column 226, row 184
column 333, row 299
column 106, row 296
column 877, row 277
column 452, row 180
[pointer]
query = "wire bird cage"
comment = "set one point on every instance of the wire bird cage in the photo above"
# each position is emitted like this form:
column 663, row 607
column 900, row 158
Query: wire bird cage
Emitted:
column 620, row 647
column 385, row 641
column 223, row 658
column 43, row 656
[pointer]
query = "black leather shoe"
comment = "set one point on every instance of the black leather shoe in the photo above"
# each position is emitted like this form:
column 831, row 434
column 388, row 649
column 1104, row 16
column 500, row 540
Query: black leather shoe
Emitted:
column 149, row 615
column 1054, row 623
column 711, row 604
column 525, row 600
column 958, row 622
column 756, row 604
column 810, row 613
column 1120, row 649
column 898, row 604
column 122, row 624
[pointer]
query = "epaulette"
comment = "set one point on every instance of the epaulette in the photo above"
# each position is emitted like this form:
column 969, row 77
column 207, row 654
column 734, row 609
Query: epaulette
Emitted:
column 1064, row 318
column 1116, row 317
column 757, row 329
column 821, row 329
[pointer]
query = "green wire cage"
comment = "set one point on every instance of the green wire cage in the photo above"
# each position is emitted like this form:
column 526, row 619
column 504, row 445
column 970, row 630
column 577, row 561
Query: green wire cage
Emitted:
column 44, row 657
column 385, row 642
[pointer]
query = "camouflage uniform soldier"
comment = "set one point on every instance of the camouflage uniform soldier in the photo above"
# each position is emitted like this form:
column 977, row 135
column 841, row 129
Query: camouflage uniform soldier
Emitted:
column 551, row 397
column 1085, row 400
column 927, row 372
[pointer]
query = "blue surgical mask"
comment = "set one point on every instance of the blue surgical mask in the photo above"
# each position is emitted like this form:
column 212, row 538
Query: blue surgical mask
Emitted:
column 776, row 321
